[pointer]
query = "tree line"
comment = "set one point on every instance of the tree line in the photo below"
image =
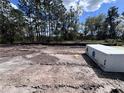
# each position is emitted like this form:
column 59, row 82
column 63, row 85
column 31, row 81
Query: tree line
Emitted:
column 49, row 20
column 101, row 27
column 37, row 21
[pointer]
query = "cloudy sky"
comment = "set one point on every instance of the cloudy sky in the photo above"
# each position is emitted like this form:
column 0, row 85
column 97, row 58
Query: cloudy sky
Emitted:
column 89, row 7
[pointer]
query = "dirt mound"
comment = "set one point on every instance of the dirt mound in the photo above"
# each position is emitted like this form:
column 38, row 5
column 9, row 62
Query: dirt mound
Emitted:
column 19, row 50
column 15, row 52
column 44, row 59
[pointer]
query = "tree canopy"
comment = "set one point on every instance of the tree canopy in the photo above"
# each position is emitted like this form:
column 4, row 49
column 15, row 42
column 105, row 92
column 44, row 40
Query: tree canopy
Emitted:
column 49, row 20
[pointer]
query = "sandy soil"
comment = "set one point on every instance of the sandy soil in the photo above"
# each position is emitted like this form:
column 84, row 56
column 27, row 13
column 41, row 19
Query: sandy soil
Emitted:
column 57, row 69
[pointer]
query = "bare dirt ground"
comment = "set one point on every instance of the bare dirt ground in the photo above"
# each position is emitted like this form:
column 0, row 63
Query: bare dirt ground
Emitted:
column 54, row 69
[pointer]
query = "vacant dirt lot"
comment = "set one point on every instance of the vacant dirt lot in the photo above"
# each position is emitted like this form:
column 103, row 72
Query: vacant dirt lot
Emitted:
column 54, row 69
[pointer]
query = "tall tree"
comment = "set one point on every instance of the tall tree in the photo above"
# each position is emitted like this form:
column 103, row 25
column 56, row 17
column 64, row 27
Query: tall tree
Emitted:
column 18, row 21
column 94, row 26
column 70, row 26
column 111, row 20
column 120, row 26
column 44, row 15
column 5, row 28
column 27, row 6
column 90, row 25
column 100, row 26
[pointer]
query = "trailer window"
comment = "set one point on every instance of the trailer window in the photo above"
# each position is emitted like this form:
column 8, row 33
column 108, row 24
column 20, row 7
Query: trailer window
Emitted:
column 93, row 54
column 87, row 49
column 105, row 62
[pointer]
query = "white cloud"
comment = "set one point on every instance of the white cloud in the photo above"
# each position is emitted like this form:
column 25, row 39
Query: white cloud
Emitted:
column 86, row 5
column 14, row 6
column 69, row 3
column 74, row 4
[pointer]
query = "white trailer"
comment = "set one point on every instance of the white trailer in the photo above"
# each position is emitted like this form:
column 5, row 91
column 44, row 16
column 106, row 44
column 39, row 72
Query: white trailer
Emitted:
column 109, row 59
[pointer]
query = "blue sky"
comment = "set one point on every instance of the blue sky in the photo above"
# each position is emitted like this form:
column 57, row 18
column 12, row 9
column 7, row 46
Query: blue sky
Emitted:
column 103, row 8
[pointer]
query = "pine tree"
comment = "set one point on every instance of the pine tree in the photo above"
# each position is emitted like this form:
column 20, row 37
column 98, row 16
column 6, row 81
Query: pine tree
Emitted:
column 112, row 16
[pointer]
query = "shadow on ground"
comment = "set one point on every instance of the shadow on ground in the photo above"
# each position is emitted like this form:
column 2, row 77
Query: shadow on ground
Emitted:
column 100, row 73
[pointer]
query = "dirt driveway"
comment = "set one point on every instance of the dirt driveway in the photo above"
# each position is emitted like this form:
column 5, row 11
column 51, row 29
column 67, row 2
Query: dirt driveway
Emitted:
column 54, row 69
